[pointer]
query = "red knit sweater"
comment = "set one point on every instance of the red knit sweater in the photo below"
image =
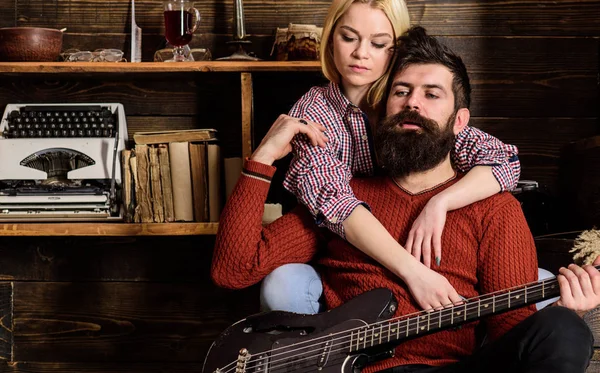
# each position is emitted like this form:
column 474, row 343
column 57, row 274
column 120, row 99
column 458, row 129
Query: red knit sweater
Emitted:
column 486, row 247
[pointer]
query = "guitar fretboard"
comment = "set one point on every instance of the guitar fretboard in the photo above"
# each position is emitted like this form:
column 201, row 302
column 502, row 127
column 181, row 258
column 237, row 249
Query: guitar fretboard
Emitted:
column 426, row 322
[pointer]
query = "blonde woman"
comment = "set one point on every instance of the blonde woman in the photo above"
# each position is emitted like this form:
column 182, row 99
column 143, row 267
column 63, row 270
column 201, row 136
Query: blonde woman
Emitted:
column 356, row 54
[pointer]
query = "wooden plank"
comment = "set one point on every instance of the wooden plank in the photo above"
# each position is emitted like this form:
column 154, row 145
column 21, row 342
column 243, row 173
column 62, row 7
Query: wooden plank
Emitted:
column 541, row 137
column 99, row 367
column 455, row 17
column 581, row 182
column 156, row 67
column 540, row 141
column 169, row 94
column 504, row 17
column 247, row 114
column 113, row 16
column 216, row 43
column 84, row 259
column 511, row 77
column 530, row 77
column 126, row 322
column 7, row 16
column 269, row 97
column 6, row 321
column 553, row 252
column 106, row 229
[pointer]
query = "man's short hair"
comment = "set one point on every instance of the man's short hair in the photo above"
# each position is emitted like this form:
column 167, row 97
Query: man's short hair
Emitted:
column 416, row 47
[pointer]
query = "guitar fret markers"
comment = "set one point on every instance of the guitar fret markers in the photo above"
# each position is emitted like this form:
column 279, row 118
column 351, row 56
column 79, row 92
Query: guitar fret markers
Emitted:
column 514, row 298
column 417, row 325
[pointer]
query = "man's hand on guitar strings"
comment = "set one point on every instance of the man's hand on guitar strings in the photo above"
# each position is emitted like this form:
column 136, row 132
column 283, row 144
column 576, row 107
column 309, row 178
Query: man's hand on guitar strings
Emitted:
column 579, row 287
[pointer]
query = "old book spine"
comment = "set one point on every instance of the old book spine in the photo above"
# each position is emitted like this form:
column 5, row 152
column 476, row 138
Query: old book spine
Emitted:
column 165, row 181
column 144, row 200
column 179, row 158
column 137, row 213
column 214, row 181
column 128, row 197
column 199, row 182
column 157, row 197
column 163, row 137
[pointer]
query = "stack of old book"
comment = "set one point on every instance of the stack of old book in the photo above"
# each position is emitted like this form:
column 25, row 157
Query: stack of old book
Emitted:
column 172, row 176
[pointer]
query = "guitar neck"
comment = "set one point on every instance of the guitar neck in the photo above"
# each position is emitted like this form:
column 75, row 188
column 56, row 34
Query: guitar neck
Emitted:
column 397, row 330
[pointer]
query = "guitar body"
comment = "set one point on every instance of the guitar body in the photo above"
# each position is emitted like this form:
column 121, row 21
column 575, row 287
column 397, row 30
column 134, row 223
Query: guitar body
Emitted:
column 287, row 342
column 353, row 335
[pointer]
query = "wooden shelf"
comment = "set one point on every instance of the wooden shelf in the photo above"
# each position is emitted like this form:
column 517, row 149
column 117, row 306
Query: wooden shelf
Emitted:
column 155, row 67
column 245, row 69
column 107, row 229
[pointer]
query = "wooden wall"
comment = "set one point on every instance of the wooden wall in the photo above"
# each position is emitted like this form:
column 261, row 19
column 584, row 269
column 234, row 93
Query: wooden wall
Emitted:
column 147, row 304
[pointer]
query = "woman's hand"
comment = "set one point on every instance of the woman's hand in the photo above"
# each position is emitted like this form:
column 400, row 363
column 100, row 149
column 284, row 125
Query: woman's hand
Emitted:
column 430, row 289
column 277, row 142
column 426, row 232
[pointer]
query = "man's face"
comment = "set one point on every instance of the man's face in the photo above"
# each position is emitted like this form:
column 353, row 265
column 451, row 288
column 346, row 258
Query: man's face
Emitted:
column 418, row 132
column 426, row 89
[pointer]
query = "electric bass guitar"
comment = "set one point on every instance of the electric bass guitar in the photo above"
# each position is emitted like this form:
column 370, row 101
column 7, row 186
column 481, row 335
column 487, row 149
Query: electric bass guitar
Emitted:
column 348, row 338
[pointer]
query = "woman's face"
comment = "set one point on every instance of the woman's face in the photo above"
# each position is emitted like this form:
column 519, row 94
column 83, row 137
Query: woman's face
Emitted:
column 362, row 42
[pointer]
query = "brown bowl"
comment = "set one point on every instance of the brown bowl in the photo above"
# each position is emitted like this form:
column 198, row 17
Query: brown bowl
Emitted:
column 33, row 44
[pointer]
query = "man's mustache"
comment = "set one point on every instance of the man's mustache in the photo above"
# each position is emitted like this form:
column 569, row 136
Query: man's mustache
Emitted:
column 413, row 117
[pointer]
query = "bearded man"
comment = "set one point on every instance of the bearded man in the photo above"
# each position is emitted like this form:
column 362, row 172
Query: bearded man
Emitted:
column 488, row 246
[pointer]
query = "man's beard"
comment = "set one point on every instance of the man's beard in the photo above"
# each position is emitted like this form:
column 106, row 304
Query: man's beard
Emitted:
column 404, row 151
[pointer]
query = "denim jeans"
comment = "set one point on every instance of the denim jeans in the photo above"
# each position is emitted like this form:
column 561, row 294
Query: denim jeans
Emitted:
column 297, row 288
column 292, row 287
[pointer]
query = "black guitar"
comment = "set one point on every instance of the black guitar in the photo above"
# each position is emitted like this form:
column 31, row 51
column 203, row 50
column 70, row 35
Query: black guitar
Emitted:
column 351, row 336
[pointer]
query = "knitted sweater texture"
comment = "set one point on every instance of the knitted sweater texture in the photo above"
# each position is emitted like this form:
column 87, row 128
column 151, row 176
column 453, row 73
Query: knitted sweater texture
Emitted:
column 486, row 247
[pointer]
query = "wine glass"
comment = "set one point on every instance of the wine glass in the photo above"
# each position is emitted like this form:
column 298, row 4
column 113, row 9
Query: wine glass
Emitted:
column 180, row 26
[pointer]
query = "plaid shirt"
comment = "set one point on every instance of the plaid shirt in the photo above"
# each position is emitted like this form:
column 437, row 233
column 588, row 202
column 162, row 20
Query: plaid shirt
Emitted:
column 320, row 177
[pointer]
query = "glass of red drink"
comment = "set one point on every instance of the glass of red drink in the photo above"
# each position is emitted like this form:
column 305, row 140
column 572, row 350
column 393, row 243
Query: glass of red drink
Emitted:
column 180, row 26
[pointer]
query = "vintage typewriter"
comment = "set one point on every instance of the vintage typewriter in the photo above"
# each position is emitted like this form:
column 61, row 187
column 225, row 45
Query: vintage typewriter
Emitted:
column 60, row 162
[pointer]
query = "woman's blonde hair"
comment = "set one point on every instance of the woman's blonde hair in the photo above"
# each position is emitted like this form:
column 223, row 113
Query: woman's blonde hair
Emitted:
column 395, row 10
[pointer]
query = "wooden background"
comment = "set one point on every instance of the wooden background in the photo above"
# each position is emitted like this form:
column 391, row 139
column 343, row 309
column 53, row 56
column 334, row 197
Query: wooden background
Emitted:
column 147, row 304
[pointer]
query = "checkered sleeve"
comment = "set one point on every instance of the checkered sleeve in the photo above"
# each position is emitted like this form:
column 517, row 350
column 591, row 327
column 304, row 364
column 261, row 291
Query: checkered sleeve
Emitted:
column 319, row 179
column 474, row 147
column 322, row 183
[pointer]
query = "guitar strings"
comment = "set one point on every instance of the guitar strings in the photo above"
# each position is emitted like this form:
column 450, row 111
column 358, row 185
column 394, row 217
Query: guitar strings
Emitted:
column 442, row 317
column 345, row 344
column 405, row 319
